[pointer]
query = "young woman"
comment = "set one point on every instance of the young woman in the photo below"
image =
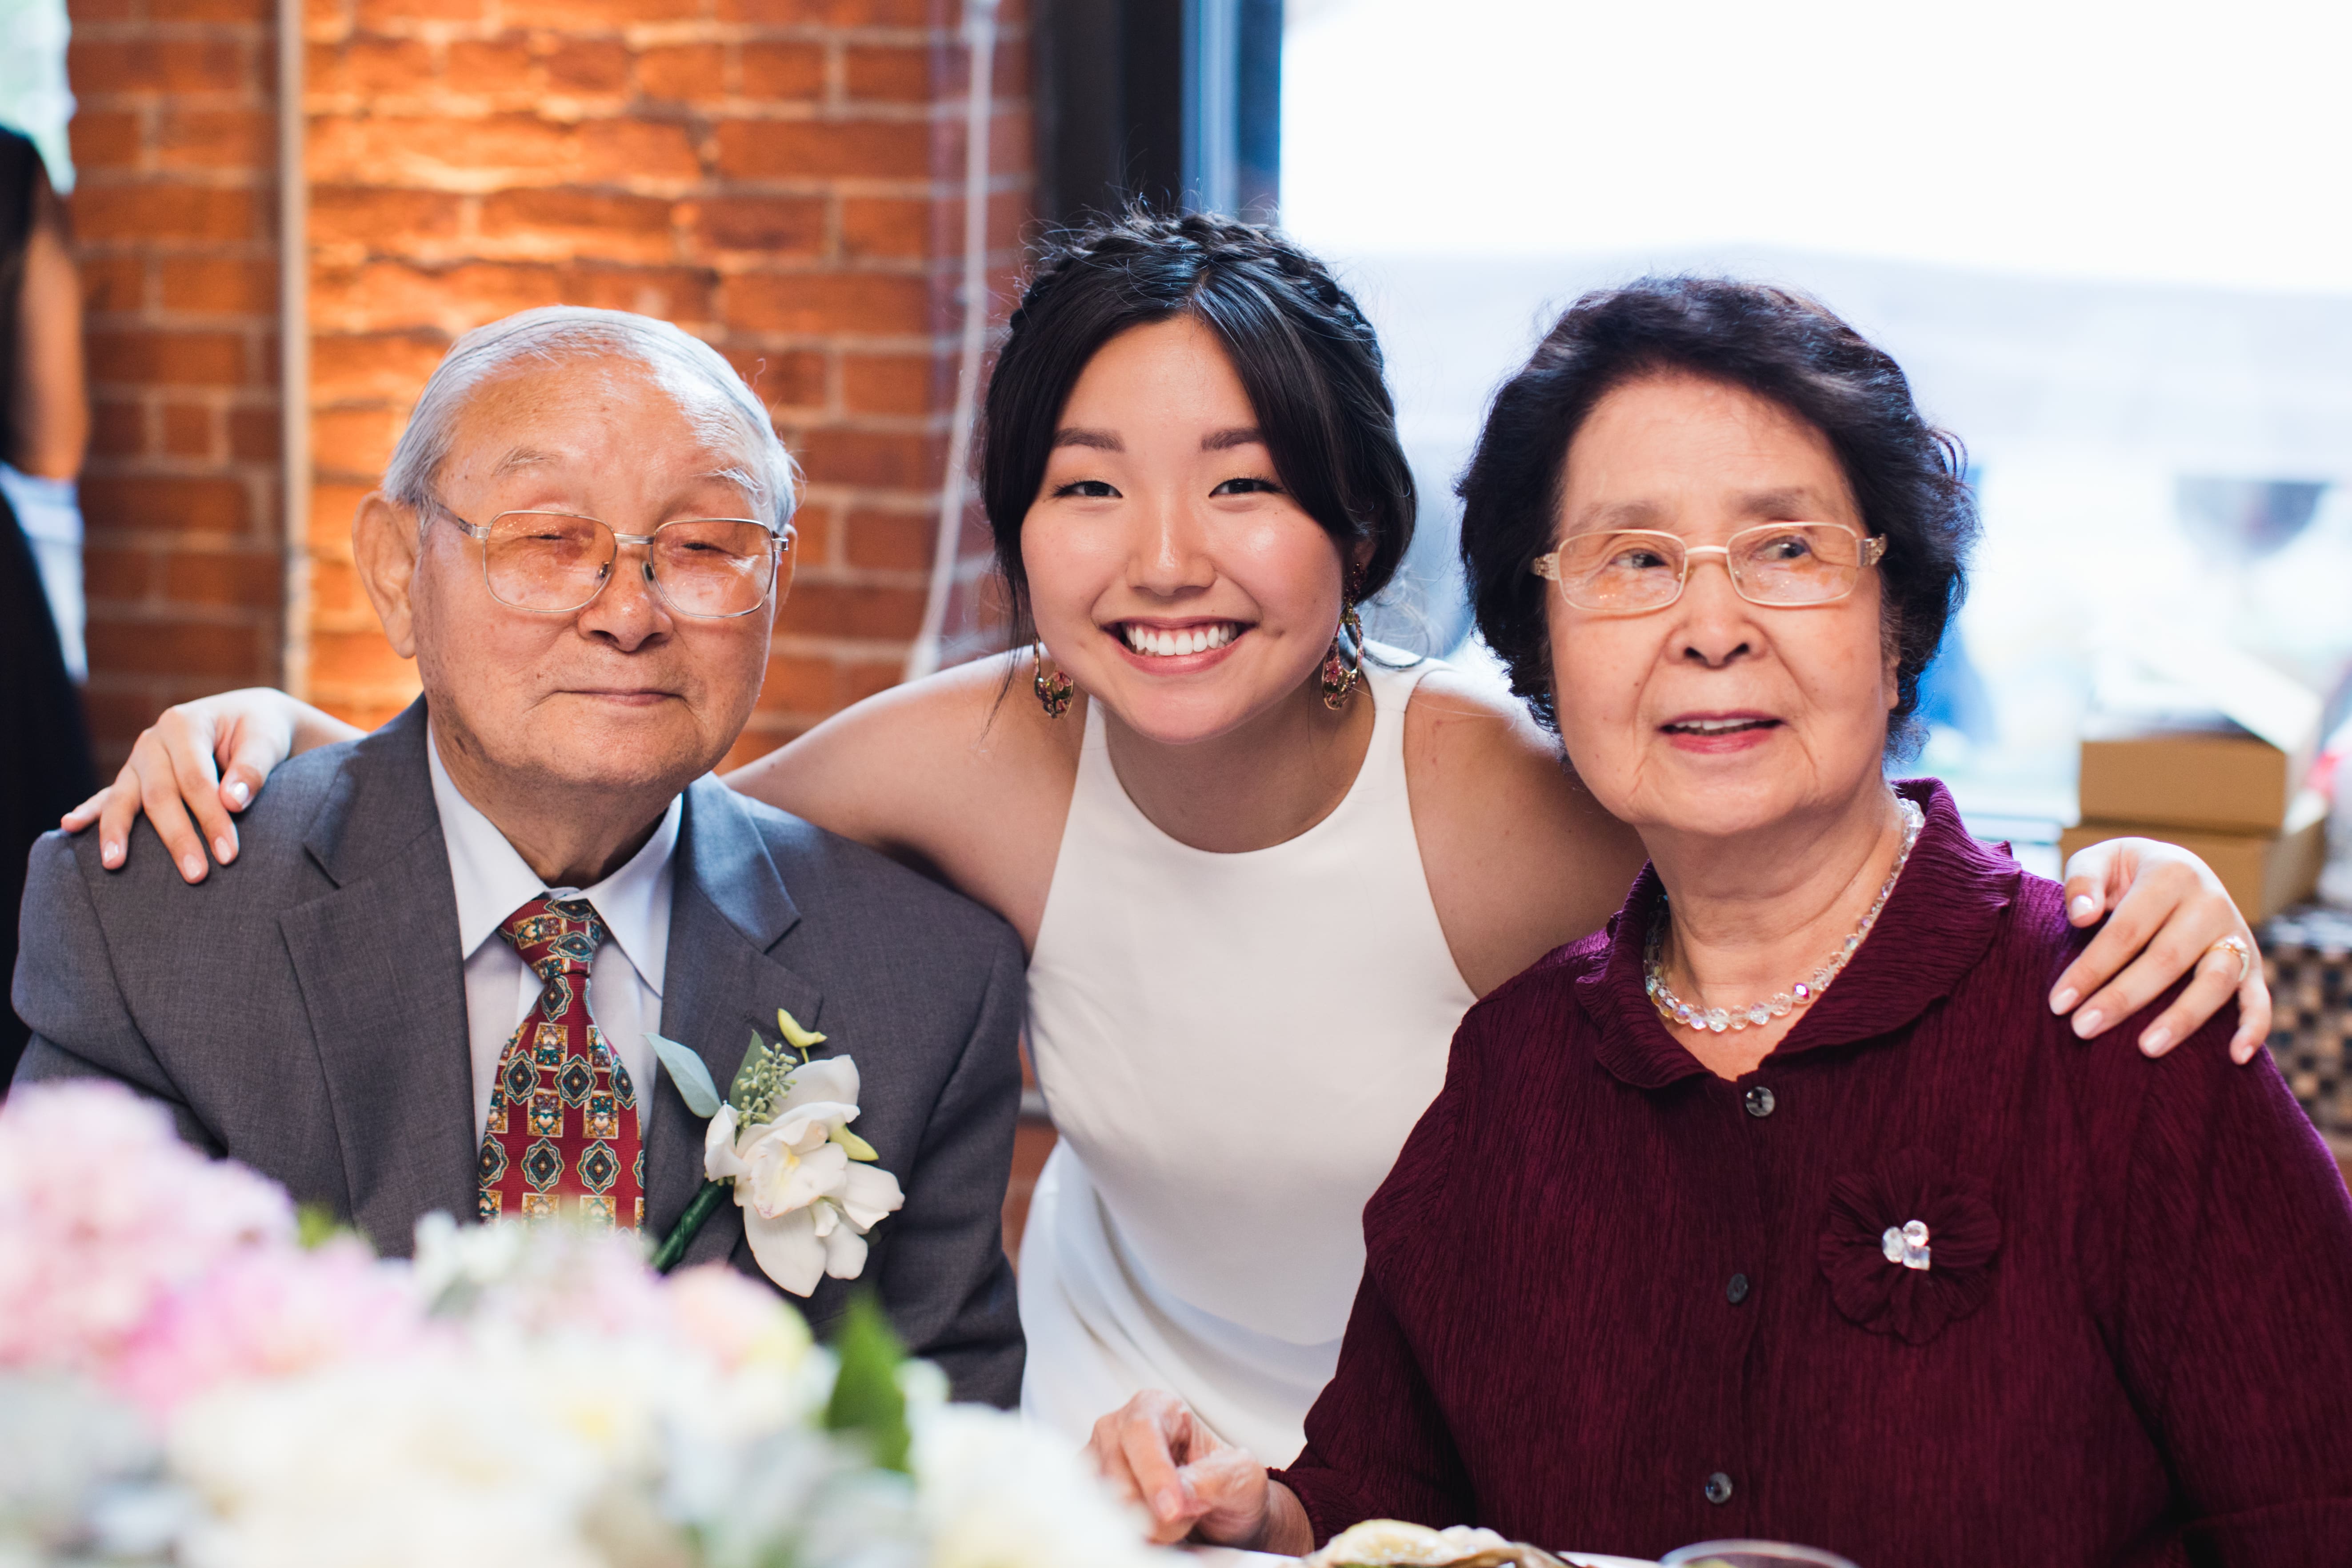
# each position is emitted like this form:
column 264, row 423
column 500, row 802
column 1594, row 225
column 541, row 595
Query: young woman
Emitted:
column 1261, row 872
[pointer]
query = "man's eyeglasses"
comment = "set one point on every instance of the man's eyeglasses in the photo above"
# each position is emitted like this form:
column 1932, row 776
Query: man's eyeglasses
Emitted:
column 1633, row 571
column 713, row 568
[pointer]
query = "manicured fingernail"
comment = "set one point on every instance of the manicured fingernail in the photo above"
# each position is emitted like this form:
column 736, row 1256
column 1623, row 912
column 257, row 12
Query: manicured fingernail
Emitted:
column 238, row 793
column 110, row 853
column 191, row 868
column 2083, row 907
column 2155, row 1040
column 2064, row 999
column 222, row 850
column 2087, row 1023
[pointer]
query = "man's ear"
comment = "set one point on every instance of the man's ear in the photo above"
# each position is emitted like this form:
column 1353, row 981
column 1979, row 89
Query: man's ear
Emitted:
column 787, row 568
column 384, row 544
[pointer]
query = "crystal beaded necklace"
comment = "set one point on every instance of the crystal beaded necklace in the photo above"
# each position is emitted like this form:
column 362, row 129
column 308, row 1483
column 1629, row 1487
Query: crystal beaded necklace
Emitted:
column 1675, row 1010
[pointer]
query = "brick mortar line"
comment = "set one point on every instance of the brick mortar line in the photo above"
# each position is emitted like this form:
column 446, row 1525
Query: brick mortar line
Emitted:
column 111, row 176
column 906, row 581
column 571, row 109
column 171, row 246
column 439, row 32
column 131, row 468
column 244, row 327
column 115, row 31
column 492, row 183
column 904, row 187
column 161, row 553
column 893, row 499
column 797, row 645
column 157, row 318
column 725, row 266
column 180, row 176
column 152, row 611
column 468, row 184
column 148, row 398
column 143, row 100
column 743, row 260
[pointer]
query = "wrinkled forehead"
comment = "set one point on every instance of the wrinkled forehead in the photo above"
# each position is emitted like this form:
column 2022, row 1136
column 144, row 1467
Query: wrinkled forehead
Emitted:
column 605, row 419
column 1685, row 454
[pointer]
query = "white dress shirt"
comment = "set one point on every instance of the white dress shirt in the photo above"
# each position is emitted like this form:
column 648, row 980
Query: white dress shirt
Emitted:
column 623, row 982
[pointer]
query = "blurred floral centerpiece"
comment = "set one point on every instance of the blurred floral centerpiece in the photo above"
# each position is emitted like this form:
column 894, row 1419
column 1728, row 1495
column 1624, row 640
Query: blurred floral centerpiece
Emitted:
column 192, row 1373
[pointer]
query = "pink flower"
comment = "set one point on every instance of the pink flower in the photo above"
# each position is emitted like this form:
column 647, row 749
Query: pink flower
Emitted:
column 733, row 1320
column 269, row 1313
column 103, row 1211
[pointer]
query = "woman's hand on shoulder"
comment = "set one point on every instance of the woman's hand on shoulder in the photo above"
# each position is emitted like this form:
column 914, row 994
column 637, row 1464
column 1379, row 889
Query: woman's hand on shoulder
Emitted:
column 195, row 768
column 1158, row 1455
column 2167, row 916
column 1519, row 857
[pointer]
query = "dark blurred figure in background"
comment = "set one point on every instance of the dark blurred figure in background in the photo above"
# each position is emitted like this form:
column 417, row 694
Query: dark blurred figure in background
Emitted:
column 45, row 424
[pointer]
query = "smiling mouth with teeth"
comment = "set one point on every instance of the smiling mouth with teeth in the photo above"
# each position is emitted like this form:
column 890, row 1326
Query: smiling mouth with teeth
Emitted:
column 1717, row 726
column 1174, row 642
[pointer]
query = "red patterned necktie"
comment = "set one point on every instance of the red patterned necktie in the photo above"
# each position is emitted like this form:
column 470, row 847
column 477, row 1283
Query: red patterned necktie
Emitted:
column 562, row 1135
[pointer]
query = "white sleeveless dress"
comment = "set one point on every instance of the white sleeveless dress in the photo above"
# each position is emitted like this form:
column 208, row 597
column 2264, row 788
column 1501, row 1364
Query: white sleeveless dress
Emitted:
column 1234, row 1048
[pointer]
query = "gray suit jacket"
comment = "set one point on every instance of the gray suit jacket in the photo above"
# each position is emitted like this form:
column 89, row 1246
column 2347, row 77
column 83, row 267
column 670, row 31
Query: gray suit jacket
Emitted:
column 303, row 1011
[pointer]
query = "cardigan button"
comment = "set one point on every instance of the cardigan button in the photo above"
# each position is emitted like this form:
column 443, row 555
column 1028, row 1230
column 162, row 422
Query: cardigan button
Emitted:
column 1718, row 1488
column 1737, row 1291
column 1759, row 1103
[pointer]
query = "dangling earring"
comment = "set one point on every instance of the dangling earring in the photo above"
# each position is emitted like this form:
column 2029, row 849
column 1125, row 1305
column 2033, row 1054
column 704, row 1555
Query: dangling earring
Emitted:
column 1054, row 690
column 1338, row 676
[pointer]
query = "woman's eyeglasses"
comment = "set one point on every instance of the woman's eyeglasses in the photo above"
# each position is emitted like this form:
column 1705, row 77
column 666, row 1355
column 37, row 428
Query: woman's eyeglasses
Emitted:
column 1634, row 570
column 713, row 568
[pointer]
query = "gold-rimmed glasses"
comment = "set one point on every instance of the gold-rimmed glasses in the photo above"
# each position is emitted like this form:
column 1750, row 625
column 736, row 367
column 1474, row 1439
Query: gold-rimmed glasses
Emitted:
column 1632, row 571
column 712, row 568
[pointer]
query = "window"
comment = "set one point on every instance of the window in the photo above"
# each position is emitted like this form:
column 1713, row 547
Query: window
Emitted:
column 2109, row 244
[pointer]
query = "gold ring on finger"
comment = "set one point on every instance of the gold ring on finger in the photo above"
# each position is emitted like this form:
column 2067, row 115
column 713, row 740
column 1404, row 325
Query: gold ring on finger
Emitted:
column 2236, row 948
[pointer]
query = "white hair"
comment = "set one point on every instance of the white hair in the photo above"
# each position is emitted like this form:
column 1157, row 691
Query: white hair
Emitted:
column 682, row 364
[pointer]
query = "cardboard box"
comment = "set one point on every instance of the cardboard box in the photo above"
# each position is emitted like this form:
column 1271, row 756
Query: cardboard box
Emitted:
column 2191, row 732
column 2219, row 779
column 2264, row 872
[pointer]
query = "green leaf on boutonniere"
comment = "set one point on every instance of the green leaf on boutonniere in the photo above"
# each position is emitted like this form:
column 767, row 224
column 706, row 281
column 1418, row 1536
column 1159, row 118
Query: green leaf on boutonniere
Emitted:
column 686, row 1071
column 760, row 1083
column 747, row 1077
column 866, row 1398
column 854, row 1146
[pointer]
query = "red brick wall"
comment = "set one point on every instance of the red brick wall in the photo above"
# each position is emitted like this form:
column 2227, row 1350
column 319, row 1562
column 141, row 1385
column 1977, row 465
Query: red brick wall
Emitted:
column 175, row 223
column 782, row 177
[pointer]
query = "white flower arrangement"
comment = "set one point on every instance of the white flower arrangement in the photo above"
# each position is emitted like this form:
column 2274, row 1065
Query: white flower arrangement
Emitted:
column 518, row 1394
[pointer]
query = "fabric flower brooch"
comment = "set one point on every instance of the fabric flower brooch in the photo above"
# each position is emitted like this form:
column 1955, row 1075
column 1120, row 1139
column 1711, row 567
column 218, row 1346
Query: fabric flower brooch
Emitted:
column 1910, row 1246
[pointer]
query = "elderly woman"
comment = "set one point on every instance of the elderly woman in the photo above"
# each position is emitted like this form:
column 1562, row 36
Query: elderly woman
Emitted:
column 1782, row 1208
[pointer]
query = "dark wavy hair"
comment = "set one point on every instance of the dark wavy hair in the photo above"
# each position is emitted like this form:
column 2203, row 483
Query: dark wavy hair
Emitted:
column 1906, row 474
column 1304, row 353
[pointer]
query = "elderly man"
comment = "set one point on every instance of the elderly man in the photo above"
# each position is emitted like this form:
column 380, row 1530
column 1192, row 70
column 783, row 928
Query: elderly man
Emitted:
column 381, row 1003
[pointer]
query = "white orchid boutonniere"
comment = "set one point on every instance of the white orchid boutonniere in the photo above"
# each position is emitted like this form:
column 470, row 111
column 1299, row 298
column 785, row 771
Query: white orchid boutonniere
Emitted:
column 809, row 1187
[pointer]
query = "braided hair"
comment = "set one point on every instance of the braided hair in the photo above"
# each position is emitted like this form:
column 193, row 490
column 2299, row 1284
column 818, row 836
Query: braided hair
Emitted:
column 1305, row 355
